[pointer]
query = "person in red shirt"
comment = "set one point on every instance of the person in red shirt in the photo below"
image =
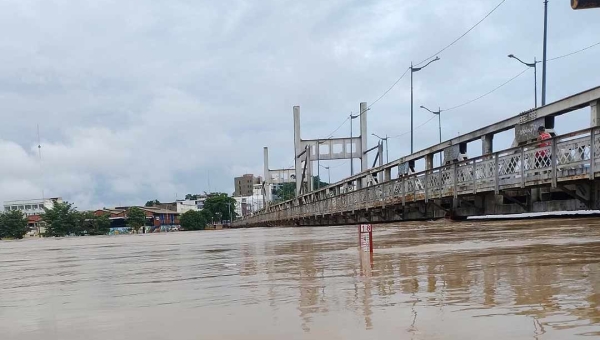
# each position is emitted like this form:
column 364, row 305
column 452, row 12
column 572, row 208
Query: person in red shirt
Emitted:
column 542, row 158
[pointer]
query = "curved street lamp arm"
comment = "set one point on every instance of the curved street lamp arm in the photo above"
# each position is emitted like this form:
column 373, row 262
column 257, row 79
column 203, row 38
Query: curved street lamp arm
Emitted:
column 415, row 69
column 522, row 62
column 434, row 112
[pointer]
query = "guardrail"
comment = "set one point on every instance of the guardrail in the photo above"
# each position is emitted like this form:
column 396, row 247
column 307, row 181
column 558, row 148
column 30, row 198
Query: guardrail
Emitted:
column 567, row 157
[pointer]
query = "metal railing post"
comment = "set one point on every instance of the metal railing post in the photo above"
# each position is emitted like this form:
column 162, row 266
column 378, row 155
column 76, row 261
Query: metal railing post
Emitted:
column 496, row 174
column 455, row 180
column 403, row 190
column 522, row 167
column 593, row 154
column 553, row 161
column 474, row 178
column 426, row 191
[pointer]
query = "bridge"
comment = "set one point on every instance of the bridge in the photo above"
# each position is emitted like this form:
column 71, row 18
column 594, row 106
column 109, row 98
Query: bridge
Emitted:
column 560, row 176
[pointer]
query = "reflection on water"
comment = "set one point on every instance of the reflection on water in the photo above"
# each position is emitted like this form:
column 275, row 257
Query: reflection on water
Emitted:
column 437, row 280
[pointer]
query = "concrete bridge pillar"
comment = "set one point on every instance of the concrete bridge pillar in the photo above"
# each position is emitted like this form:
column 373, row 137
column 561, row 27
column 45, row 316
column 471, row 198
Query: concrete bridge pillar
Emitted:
column 429, row 161
column 595, row 114
column 487, row 144
column 364, row 159
column 387, row 174
column 297, row 151
column 267, row 176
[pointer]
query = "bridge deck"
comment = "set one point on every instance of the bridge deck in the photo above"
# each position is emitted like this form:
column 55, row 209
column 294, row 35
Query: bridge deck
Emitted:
column 569, row 158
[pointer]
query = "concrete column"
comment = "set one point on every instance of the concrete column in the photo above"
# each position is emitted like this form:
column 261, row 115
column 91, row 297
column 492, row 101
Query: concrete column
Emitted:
column 267, row 174
column 380, row 151
column 429, row 161
column 595, row 114
column 487, row 144
column 297, row 149
column 364, row 161
column 266, row 165
column 387, row 174
column 309, row 170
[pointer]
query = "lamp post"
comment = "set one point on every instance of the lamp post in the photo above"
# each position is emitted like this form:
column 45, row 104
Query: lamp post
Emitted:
column 413, row 70
column 439, row 114
column 387, row 156
column 229, row 210
column 534, row 65
column 545, row 50
column 328, row 173
column 351, row 145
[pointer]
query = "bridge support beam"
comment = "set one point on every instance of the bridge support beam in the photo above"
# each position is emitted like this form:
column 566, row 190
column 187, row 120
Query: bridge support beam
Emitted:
column 297, row 160
column 595, row 114
column 429, row 161
column 487, row 144
column 364, row 159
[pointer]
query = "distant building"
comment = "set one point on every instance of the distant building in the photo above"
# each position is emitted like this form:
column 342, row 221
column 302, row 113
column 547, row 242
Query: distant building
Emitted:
column 36, row 225
column 183, row 206
column 247, row 205
column 157, row 219
column 244, row 185
column 32, row 207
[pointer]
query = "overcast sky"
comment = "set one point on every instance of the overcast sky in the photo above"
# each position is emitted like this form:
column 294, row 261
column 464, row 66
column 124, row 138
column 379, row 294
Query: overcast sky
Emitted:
column 140, row 100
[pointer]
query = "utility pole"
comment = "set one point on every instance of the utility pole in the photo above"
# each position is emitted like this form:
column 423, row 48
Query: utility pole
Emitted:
column 545, row 51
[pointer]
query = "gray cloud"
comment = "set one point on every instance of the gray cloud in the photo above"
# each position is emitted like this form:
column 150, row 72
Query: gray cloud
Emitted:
column 144, row 99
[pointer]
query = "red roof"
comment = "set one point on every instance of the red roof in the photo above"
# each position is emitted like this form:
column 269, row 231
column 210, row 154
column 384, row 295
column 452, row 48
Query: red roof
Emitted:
column 34, row 218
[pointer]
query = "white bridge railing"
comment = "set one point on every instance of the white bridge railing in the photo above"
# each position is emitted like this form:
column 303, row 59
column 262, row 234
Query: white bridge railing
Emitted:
column 568, row 157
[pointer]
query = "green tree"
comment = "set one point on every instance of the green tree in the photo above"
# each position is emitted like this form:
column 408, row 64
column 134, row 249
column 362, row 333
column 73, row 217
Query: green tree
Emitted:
column 208, row 216
column 219, row 206
column 152, row 203
column 317, row 183
column 136, row 218
column 286, row 191
column 193, row 220
column 63, row 219
column 13, row 224
column 90, row 224
column 190, row 197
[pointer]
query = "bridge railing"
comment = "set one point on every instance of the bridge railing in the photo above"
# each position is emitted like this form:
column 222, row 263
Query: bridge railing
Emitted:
column 567, row 157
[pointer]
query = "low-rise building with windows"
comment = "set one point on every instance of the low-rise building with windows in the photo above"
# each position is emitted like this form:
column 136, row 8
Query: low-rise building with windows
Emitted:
column 33, row 207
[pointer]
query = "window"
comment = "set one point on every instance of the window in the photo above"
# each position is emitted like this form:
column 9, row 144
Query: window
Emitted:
column 27, row 207
column 21, row 207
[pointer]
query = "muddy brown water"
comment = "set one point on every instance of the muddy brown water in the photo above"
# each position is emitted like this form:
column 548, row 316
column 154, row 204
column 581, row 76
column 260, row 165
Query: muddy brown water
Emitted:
column 532, row 279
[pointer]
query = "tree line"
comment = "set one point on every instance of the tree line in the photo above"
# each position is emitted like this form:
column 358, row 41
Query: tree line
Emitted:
column 63, row 219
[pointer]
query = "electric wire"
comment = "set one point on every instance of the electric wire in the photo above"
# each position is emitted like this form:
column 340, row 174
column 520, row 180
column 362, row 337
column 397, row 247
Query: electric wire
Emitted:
column 463, row 35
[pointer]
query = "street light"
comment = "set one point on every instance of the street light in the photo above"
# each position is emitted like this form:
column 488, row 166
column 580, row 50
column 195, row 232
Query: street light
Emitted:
column 545, row 50
column 387, row 156
column 534, row 65
column 413, row 70
column 439, row 114
column 328, row 173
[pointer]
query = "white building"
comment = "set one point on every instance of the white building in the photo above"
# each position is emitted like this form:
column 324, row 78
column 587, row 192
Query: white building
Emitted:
column 240, row 205
column 247, row 205
column 184, row 206
column 32, row 207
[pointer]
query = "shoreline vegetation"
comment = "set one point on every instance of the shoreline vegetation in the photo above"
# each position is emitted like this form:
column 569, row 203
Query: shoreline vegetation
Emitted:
column 63, row 219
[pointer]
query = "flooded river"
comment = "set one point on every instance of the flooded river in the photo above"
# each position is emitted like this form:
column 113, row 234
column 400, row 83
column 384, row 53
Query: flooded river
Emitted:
column 535, row 279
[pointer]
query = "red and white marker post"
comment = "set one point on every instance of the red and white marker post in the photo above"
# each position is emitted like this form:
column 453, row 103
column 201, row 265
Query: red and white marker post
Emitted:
column 365, row 237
